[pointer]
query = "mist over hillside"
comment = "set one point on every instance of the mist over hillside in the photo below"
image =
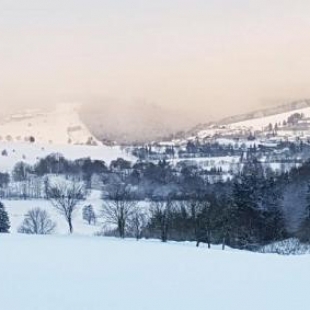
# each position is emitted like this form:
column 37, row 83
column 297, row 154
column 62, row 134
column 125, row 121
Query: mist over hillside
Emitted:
column 142, row 122
column 133, row 122
column 127, row 123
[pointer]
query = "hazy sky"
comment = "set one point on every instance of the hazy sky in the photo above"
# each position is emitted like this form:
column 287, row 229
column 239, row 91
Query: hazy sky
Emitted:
column 208, row 57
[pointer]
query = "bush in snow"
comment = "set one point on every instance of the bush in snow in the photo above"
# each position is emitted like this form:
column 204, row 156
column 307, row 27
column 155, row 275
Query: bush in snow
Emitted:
column 4, row 220
column 286, row 247
column 89, row 215
column 37, row 221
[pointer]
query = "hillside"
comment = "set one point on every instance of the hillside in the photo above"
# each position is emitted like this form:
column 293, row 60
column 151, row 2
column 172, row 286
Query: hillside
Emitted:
column 260, row 122
column 32, row 135
column 61, row 125
column 288, row 107
column 258, row 114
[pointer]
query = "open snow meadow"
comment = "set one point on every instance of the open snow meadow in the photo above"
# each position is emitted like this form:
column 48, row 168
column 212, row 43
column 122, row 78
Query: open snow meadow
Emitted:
column 94, row 273
column 86, row 272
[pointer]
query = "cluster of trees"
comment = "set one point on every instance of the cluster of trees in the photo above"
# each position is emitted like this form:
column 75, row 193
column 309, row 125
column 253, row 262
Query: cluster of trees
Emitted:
column 290, row 121
column 253, row 209
column 286, row 152
column 149, row 179
column 192, row 149
column 247, row 213
column 294, row 118
column 65, row 196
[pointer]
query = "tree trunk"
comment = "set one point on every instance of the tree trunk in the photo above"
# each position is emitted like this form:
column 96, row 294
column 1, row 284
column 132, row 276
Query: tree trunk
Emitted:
column 70, row 225
column 209, row 239
column 164, row 234
column 121, row 229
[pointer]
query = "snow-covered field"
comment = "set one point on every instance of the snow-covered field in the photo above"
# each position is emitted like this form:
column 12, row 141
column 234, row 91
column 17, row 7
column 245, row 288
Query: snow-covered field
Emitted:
column 18, row 208
column 95, row 273
column 84, row 272
column 31, row 153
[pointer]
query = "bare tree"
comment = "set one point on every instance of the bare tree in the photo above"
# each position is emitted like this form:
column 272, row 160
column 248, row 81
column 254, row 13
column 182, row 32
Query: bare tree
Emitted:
column 204, row 223
column 65, row 196
column 119, row 207
column 194, row 209
column 137, row 222
column 161, row 213
column 37, row 221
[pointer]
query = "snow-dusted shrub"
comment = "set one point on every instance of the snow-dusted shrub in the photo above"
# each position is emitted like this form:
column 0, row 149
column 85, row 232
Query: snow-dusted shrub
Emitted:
column 37, row 221
column 4, row 220
column 89, row 215
column 286, row 247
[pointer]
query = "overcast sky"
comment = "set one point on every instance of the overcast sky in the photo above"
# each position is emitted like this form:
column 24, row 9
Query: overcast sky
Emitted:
column 210, row 58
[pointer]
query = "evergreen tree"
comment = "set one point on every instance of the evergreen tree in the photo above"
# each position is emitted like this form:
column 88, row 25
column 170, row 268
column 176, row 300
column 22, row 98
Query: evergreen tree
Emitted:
column 273, row 225
column 246, row 214
column 225, row 221
column 4, row 220
column 304, row 228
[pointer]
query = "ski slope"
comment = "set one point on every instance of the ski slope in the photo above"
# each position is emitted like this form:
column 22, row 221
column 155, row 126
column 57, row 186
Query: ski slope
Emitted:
column 95, row 273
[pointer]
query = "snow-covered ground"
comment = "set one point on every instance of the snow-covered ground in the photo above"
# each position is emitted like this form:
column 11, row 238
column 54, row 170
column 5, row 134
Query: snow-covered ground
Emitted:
column 18, row 208
column 95, row 273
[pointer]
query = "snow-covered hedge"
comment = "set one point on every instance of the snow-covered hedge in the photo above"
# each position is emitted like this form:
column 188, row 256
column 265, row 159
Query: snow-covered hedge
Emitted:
column 287, row 247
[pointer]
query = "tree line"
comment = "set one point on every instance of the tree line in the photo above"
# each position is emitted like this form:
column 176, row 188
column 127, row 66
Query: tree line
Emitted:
column 252, row 209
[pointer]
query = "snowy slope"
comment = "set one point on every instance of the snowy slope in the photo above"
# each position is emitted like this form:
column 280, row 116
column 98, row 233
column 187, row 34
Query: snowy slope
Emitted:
column 93, row 273
column 259, row 123
column 31, row 153
column 60, row 126
column 253, row 124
